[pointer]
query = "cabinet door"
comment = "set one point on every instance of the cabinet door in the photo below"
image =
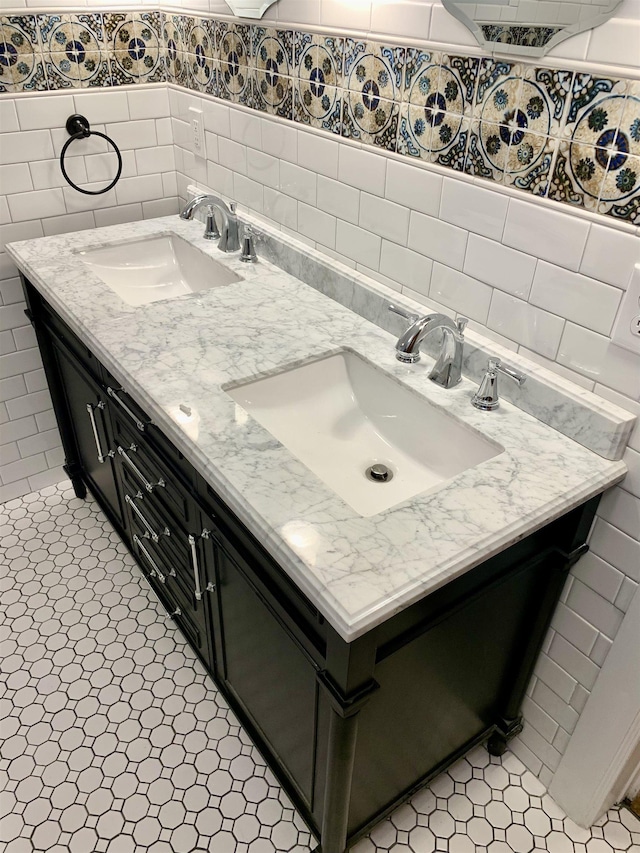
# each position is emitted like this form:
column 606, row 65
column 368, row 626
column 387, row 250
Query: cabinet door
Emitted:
column 267, row 672
column 86, row 408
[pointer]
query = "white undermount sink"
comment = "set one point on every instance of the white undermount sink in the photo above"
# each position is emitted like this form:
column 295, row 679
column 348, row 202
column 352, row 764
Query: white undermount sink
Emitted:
column 154, row 268
column 340, row 415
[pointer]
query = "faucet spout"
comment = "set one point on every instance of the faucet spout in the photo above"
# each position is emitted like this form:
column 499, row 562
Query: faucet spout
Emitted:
column 408, row 345
column 229, row 239
column 447, row 370
column 193, row 205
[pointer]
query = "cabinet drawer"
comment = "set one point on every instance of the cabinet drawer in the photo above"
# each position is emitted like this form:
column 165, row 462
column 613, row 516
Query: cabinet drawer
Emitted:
column 150, row 474
column 172, row 596
column 130, row 410
column 177, row 550
column 122, row 401
column 170, row 581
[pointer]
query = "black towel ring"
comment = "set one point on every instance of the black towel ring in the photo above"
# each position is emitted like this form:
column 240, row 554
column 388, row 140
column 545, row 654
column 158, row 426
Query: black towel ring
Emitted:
column 78, row 128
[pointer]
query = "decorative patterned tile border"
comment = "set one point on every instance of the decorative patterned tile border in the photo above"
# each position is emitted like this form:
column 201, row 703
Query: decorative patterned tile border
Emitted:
column 568, row 136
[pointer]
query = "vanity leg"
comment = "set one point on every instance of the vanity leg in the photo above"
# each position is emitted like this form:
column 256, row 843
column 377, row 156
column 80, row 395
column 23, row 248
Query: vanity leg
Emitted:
column 72, row 470
column 496, row 745
column 556, row 565
column 506, row 729
column 342, row 749
column 343, row 731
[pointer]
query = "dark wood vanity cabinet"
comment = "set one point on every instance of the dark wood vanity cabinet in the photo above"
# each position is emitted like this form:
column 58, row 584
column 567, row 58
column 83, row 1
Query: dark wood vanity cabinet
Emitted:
column 349, row 728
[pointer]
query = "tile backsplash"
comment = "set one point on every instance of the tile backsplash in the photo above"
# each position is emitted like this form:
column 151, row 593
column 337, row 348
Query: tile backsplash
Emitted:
column 569, row 136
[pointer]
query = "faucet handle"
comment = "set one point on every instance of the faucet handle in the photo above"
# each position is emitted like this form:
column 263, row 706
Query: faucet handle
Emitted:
column 486, row 397
column 250, row 231
column 248, row 254
column 496, row 364
column 233, row 206
column 461, row 323
column 402, row 313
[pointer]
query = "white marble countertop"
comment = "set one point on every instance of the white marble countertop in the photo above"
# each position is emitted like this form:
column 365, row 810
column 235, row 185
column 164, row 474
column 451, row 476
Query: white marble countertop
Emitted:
column 356, row 571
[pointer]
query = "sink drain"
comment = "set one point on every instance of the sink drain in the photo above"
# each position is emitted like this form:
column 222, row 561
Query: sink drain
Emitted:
column 379, row 473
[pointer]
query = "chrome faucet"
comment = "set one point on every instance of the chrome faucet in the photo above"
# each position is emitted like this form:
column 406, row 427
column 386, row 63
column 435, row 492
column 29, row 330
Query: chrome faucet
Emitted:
column 229, row 239
column 447, row 371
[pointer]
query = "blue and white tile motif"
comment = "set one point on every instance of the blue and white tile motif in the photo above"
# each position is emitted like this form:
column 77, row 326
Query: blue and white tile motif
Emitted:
column 373, row 76
column 75, row 50
column 174, row 49
column 201, row 57
column 530, row 148
column 620, row 192
column 273, row 63
column 318, row 65
column 557, row 86
column 572, row 137
column 532, row 152
column 597, row 164
column 598, row 127
column 496, row 94
column 374, row 69
column 419, row 112
column 21, row 65
column 586, row 88
column 490, row 73
column 234, row 47
column 415, row 60
column 135, row 48
column 433, row 115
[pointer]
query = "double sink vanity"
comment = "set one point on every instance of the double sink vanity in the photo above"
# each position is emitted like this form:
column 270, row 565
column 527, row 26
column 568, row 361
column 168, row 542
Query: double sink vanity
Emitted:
column 365, row 563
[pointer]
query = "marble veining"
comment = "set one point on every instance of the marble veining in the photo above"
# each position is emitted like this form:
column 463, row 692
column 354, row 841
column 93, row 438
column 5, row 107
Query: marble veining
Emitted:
column 357, row 571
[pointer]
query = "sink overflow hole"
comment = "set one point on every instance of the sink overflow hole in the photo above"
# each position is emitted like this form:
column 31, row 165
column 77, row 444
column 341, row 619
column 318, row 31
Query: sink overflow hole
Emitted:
column 379, row 473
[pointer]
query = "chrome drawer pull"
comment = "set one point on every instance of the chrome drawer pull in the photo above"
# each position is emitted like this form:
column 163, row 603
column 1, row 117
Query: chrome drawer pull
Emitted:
column 196, row 568
column 102, row 457
column 141, row 426
column 155, row 570
column 148, row 486
column 150, row 531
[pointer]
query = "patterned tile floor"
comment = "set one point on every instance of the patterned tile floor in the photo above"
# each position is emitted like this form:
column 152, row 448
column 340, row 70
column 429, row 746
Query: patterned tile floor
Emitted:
column 114, row 740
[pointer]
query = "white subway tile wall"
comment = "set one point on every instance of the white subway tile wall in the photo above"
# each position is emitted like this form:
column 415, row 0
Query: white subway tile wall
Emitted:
column 36, row 201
